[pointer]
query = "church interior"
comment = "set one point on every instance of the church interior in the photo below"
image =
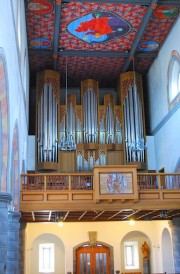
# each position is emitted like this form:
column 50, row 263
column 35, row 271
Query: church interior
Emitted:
column 89, row 136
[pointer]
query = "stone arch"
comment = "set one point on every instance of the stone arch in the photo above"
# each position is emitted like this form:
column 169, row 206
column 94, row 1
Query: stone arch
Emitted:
column 4, row 123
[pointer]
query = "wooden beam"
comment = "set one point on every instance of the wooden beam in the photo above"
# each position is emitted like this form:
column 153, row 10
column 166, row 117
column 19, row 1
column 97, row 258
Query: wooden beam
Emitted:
column 33, row 216
column 115, row 215
column 49, row 217
column 66, row 216
column 82, row 216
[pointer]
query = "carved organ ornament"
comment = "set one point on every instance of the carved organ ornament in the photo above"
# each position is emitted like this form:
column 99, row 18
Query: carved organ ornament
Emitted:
column 90, row 134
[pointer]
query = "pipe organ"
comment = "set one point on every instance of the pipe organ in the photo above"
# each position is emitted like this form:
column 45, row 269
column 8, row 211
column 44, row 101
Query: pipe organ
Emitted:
column 133, row 113
column 47, row 120
column 76, row 137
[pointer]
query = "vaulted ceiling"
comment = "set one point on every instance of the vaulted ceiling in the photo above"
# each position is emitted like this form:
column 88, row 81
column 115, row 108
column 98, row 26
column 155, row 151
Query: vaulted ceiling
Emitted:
column 96, row 39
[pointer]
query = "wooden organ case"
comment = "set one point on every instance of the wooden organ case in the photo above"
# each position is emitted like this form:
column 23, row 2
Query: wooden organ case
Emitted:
column 76, row 137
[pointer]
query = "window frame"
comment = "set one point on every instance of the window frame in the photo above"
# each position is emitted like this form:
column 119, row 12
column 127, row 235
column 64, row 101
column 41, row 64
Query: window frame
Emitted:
column 135, row 255
column 42, row 267
column 173, row 79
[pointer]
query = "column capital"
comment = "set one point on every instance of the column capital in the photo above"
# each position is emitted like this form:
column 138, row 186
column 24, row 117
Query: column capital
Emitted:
column 5, row 197
column 14, row 217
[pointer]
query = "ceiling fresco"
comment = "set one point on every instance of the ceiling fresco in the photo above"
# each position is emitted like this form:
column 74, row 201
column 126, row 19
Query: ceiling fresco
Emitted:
column 97, row 38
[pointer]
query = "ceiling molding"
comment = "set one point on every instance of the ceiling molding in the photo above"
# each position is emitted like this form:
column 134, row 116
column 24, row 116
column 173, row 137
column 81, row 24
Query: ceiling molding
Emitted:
column 85, row 53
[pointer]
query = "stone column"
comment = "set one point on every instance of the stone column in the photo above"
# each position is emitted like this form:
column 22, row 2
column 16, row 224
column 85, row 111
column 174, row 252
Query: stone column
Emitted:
column 5, row 199
column 176, row 243
column 22, row 233
column 13, row 243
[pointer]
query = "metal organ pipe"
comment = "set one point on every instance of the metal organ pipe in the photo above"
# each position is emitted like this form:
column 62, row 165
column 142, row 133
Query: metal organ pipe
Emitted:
column 133, row 122
column 132, row 128
column 47, row 125
column 70, row 125
column 39, row 138
column 109, row 125
column 90, row 116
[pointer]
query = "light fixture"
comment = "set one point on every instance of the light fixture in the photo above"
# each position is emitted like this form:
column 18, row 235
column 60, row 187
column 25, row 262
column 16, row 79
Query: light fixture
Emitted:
column 60, row 222
column 132, row 222
column 59, row 219
column 67, row 142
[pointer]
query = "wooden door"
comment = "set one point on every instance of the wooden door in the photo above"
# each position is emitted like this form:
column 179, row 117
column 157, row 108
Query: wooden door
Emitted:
column 93, row 260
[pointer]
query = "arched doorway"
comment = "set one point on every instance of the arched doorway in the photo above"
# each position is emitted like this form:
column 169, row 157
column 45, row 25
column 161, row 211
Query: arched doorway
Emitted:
column 167, row 257
column 93, row 259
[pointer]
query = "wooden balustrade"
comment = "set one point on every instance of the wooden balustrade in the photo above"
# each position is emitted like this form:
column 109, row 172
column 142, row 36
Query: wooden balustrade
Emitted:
column 158, row 181
column 84, row 181
column 49, row 181
column 76, row 190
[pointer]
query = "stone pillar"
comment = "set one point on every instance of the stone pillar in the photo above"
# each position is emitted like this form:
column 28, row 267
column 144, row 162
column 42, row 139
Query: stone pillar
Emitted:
column 176, row 243
column 13, row 243
column 5, row 199
column 22, row 233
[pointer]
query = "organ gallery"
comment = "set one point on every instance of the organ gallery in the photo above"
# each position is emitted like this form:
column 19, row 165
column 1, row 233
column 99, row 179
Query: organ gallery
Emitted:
column 75, row 137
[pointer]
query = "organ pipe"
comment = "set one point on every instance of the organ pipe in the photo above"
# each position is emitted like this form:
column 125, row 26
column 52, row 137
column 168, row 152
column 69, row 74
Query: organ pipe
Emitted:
column 109, row 125
column 133, row 118
column 47, row 118
column 90, row 116
column 47, row 126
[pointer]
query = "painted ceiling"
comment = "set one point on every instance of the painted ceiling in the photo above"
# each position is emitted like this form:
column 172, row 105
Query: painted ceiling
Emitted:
column 96, row 39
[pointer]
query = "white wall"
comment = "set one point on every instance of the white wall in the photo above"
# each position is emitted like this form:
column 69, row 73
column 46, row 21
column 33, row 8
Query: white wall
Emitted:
column 166, row 134
column 151, row 160
column 58, row 249
column 168, row 262
column 112, row 233
column 17, row 72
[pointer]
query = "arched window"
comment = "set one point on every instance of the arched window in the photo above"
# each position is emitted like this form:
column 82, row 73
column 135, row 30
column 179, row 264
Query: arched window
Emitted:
column 174, row 79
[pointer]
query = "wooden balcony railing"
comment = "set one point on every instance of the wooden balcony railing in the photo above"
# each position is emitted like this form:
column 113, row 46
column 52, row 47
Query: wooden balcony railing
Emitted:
column 158, row 180
column 84, row 181
column 82, row 190
column 76, row 181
